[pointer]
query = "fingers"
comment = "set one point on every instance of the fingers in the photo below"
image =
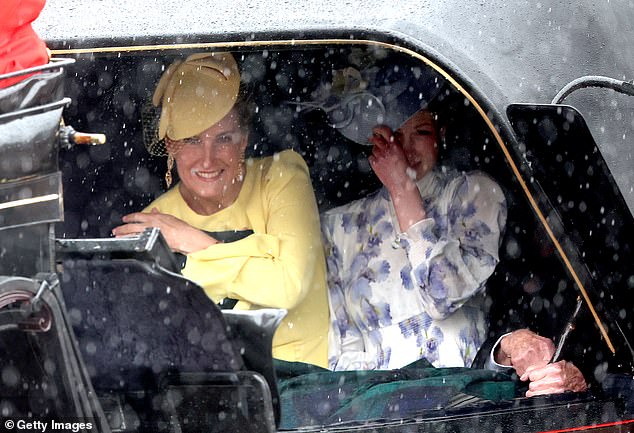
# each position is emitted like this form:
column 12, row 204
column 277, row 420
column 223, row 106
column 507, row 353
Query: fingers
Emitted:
column 536, row 373
column 546, row 380
column 128, row 230
column 378, row 165
column 373, row 161
column 379, row 149
column 137, row 222
column 555, row 378
column 140, row 217
column 381, row 136
column 574, row 380
column 379, row 152
column 527, row 349
column 545, row 391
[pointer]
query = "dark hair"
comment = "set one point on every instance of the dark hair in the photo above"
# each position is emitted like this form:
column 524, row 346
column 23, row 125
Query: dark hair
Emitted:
column 244, row 107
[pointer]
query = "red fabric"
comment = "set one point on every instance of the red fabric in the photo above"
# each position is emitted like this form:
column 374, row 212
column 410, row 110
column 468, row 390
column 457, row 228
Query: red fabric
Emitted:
column 20, row 46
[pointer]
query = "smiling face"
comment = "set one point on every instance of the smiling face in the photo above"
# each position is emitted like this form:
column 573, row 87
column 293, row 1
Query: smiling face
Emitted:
column 210, row 165
column 418, row 138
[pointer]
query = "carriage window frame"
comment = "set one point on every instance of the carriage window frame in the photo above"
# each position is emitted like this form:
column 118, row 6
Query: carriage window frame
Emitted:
column 496, row 127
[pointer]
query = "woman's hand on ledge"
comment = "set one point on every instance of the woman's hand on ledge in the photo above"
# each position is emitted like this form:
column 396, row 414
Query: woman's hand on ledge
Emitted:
column 522, row 349
column 554, row 378
column 180, row 236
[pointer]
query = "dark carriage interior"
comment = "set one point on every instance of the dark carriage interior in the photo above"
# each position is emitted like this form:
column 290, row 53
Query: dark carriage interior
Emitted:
column 33, row 384
column 530, row 287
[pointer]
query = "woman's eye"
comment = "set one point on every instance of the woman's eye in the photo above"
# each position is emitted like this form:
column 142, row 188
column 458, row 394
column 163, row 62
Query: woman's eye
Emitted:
column 192, row 141
column 226, row 139
column 424, row 131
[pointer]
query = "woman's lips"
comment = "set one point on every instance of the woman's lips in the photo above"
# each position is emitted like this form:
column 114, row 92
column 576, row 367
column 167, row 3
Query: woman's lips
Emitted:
column 206, row 175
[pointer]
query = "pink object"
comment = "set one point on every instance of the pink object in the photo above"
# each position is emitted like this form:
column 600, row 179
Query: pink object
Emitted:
column 20, row 46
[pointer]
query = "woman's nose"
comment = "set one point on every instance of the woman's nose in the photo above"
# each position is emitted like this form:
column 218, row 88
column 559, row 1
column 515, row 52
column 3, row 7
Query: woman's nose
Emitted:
column 209, row 153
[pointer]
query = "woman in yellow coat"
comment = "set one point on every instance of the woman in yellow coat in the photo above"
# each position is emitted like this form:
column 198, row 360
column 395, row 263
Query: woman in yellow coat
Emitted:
column 204, row 127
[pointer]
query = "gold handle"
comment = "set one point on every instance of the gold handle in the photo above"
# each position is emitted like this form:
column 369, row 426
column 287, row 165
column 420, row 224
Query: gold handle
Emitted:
column 88, row 138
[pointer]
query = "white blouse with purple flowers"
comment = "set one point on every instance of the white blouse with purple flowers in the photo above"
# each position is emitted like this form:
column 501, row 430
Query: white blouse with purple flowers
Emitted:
column 399, row 297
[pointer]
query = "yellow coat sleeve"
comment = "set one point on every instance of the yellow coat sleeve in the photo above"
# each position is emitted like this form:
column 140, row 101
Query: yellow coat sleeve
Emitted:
column 275, row 266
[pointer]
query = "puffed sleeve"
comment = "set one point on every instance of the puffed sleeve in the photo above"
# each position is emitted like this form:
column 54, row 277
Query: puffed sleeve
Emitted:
column 451, row 264
column 275, row 269
column 344, row 336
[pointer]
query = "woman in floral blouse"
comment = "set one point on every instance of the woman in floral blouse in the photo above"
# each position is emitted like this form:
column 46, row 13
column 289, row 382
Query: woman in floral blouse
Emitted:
column 408, row 264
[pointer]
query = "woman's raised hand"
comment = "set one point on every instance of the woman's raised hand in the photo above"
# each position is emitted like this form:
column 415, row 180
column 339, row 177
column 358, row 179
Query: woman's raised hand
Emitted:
column 390, row 166
column 388, row 160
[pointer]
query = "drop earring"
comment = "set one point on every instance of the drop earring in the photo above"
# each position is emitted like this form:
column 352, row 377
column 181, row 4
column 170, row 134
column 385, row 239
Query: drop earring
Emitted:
column 241, row 172
column 168, row 173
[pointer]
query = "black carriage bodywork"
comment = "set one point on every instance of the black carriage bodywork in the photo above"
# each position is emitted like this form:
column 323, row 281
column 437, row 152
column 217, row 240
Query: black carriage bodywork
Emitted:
column 564, row 238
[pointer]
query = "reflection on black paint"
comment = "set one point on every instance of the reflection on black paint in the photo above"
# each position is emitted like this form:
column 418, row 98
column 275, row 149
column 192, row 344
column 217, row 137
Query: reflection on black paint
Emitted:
column 596, row 226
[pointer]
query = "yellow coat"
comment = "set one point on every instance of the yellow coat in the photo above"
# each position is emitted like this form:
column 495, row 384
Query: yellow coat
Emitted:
column 281, row 265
